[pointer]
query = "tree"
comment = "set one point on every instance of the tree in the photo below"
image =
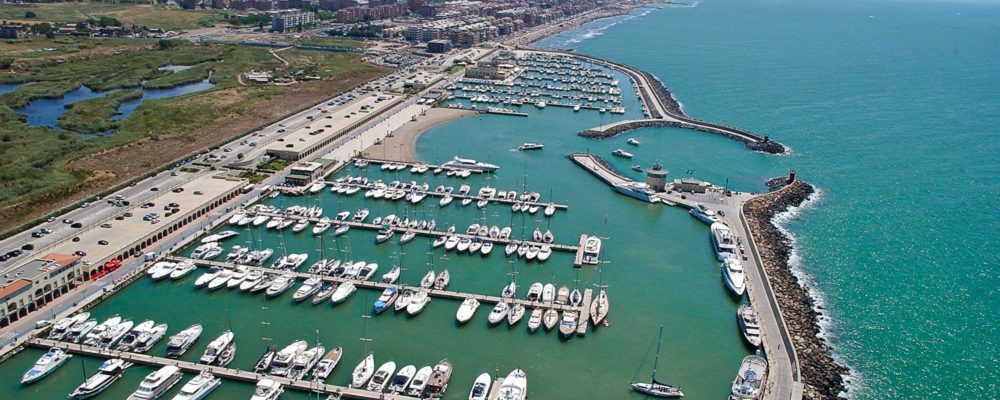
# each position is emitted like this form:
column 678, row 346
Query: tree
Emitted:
column 30, row 14
column 5, row 62
column 166, row 44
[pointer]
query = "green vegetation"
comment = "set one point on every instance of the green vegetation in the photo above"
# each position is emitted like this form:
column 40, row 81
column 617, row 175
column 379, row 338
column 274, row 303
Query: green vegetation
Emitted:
column 276, row 164
column 190, row 170
column 34, row 160
column 254, row 177
column 94, row 115
column 151, row 16
column 455, row 69
column 327, row 42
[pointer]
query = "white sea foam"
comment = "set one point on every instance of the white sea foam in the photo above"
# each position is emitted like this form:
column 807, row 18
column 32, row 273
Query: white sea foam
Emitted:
column 853, row 379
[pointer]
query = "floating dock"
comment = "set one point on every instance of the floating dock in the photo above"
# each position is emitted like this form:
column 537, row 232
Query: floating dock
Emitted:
column 459, row 197
column 221, row 372
column 436, row 234
column 584, row 318
column 446, row 294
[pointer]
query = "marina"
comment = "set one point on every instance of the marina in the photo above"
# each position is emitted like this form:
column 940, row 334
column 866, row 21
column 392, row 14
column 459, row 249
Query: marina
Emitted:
column 307, row 386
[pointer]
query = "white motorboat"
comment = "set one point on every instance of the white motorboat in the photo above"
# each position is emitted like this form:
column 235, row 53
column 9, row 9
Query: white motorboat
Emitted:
column 452, row 242
column 509, row 291
column 550, row 210
column 532, row 252
column 129, row 340
column 49, row 362
column 280, row 284
column 515, row 314
column 321, row 226
column 61, row 328
column 114, row 334
column 238, row 277
column 198, row 387
column 575, row 298
column 253, row 278
column 466, row 163
column 514, row 386
column 442, row 280
column 363, row 372
column 386, row 299
column 592, row 250
column 407, row 237
column 548, row 293
column 213, row 353
column 80, row 331
column 392, row 276
column 633, row 141
column 300, row 226
column 621, row 153
column 267, row 389
column 218, row 237
column 366, row 272
column 723, row 241
column 401, row 381
column 160, row 270
column 305, row 361
column 568, row 324
column 751, row 379
column 535, row 320
column 530, row 146
column 381, row 377
column 308, row 288
column 182, row 341
column 467, row 310
column 418, row 302
column 749, row 325
column 428, row 280
column 732, row 274
column 283, row 359
column 182, row 269
column 157, row 383
column 510, row 249
column 499, row 313
column 384, row 234
column 93, row 337
column 326, row 366
column 220, row 279
column 316, row 187
column 207, row 277
column 704, row 214
column 481, row 387
column 343, row 292
column 550, row 318
column 419, row 382
column 107, row 374
column 149, row 337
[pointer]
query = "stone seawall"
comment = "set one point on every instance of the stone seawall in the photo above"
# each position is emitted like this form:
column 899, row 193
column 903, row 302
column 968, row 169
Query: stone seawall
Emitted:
column 765, row 146
column 822, row 376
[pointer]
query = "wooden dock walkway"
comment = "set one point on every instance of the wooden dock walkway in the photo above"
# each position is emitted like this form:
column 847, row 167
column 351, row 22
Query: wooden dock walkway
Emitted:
column 499, row 244
column 221, row 372
column 584, row 319
column 446, row 294
column 459, row 197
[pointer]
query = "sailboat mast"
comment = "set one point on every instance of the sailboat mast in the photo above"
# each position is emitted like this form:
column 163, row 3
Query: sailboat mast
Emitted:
column 656, row 359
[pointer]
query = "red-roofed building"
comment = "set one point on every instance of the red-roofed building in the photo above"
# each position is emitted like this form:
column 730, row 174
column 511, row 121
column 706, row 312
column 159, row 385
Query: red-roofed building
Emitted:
column 31, row 285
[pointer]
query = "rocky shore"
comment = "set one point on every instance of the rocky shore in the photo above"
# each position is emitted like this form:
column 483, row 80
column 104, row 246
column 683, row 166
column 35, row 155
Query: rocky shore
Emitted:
column 822, row 376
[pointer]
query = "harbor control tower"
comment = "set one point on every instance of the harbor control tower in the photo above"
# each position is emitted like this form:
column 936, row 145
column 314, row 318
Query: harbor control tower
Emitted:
column 656, row 178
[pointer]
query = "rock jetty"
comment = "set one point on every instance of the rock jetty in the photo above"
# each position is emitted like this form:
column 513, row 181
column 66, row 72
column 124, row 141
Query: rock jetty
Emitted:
column 823, row 377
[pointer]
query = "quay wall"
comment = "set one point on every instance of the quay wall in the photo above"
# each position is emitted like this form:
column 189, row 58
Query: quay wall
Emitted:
column 822, row 375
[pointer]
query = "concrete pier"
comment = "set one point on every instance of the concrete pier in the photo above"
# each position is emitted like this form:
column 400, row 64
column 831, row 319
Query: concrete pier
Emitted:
column 460, row 197
column 583, row 321
column 221, row 372
column 379, row 286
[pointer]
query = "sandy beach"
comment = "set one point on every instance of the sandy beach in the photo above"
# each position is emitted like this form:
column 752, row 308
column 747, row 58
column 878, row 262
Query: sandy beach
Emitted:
column 401, row 145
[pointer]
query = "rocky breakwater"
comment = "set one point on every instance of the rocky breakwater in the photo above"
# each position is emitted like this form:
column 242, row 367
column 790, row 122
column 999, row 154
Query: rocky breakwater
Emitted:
column 822, row 375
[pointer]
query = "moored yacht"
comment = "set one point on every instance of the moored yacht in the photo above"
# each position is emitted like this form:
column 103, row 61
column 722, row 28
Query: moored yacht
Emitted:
column 381, row 377
column 621, row 153
column 53, row 359
column 326, row 366
column 182, row 341
column 732, row 274
column 514, row 386
column 723, row 241
column 198, row 387
column 592, row 250
column 283, row 360
column 157, row 383
column 704, row 214
column 214, row 352
column 108, row 373
column 749, row 382
column 61, row 329
column 466, row 163
column 749, row 325
column 530, row 146
column 267, row 389
column 363, row 372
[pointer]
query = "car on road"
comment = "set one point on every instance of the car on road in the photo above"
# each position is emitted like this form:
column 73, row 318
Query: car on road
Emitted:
column 85, row 204
column 67, row 221
column 105, row 225
column 76, row 239
column 178, row 190
column 80, row 253
column 37, row 234
column 102, row 242
column 76, row 225
column 154, row 189
column 28, row 247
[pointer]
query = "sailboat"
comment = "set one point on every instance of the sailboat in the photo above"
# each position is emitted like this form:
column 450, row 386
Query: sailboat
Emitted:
column 655, row 388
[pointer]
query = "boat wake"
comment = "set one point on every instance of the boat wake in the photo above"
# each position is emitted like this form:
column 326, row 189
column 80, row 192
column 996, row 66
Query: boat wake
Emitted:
column 853, row 382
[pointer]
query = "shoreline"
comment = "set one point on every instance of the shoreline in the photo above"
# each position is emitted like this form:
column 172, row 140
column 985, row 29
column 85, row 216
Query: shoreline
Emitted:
column 402, row 144
column 822, row 375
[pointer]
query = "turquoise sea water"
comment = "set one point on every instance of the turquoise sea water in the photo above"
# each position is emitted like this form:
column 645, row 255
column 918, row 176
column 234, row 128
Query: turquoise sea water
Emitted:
column 891, row 117
column 892, row 110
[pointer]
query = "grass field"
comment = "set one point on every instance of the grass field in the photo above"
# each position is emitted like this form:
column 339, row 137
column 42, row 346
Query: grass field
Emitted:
column 151, row 16
column 41, row 167
column 327, row 41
